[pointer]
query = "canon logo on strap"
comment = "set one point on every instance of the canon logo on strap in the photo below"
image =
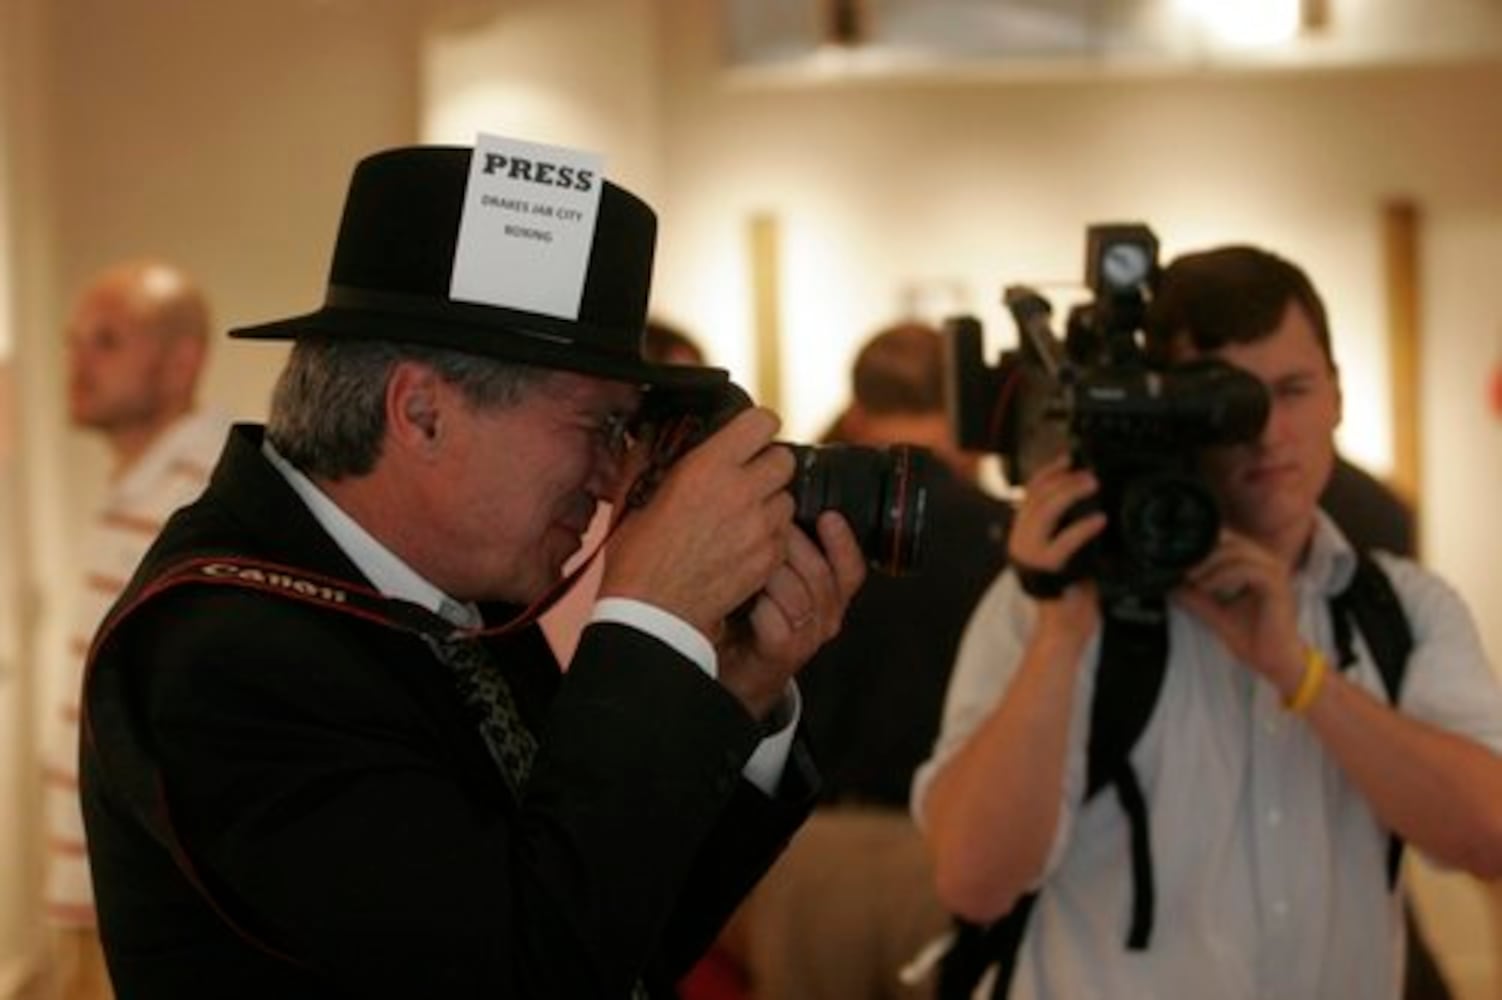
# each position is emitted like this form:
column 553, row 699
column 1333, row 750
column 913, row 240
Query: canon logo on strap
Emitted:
column 266, row 577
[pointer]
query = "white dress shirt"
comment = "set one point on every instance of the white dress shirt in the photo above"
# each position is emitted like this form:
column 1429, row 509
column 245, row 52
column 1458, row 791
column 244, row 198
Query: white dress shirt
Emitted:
column 1270, row 867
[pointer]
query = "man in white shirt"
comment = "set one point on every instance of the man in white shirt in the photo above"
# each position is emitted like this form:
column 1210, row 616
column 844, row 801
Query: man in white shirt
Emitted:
column 1272, row 780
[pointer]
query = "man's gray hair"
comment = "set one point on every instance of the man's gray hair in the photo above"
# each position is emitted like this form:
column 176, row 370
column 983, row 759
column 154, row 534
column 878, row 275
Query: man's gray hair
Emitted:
column 328, row 411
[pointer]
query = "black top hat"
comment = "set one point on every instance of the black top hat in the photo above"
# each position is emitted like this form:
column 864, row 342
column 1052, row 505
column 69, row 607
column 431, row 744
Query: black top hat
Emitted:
column 394, row 260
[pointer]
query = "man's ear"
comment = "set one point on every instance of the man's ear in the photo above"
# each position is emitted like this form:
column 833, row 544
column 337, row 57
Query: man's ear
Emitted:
column 413, row 406
column 1340, row 399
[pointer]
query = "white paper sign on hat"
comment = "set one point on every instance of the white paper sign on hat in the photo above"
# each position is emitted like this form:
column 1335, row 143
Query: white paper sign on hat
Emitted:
column 527, row 226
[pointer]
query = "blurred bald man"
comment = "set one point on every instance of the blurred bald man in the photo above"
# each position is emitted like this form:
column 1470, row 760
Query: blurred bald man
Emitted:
column 137, row 340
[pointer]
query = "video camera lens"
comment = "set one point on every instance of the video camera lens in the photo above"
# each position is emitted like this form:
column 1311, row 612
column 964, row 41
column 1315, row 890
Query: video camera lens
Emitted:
column 1169, row 523
column 881, row 492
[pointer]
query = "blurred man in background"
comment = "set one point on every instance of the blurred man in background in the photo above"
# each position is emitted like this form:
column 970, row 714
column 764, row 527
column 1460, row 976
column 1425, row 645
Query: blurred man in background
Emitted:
column 667, row 344
column 137, row 340
column 1368, row 511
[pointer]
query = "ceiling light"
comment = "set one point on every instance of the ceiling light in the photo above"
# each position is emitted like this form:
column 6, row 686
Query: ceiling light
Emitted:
column 1246, row 23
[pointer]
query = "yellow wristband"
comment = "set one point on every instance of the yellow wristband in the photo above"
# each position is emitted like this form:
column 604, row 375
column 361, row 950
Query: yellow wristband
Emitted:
column 1315, row 669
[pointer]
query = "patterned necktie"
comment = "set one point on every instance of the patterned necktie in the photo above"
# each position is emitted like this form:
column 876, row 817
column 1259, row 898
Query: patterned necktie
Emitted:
column 484, row 689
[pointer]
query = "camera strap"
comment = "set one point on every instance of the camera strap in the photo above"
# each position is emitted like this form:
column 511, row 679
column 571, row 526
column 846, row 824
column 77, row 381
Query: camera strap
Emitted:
column 136, row 773
column 1132, row 664
column 107, row 724
column 1370, row 603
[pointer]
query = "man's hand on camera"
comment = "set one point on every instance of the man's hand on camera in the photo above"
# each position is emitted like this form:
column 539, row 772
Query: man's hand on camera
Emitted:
column 1038, row 545
column 714, row 530
column 1245, row 593
column 801, row 608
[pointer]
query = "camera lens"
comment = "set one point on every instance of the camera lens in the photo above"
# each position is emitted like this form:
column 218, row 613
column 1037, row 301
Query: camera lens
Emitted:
column 881, row 492
column 1169, row 523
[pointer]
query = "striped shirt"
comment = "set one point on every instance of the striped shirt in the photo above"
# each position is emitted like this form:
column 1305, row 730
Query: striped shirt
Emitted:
column 172, row 472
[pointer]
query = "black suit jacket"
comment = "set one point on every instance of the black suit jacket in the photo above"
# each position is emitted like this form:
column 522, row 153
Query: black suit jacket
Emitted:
column 341, row 829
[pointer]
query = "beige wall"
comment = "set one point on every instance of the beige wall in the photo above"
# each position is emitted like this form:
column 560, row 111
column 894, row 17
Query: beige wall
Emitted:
column 22, row 233
column 525, row 71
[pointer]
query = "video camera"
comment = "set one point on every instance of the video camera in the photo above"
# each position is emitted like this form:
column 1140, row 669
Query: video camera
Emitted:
column 881, row 492
column 1138, row 425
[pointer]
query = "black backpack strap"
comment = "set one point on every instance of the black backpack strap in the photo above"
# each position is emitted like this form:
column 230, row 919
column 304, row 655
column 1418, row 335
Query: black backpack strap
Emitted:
column 1128, row 680
column 1132, row 663
column 977, row 947
column 1144, row 892
column 1370, row 604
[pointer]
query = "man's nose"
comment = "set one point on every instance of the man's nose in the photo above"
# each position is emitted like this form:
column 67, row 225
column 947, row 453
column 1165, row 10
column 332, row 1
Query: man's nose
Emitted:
column 1276, row 427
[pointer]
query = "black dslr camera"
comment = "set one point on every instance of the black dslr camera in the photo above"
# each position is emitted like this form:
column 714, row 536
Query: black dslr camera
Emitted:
column 882, row 492
column 1136, row 424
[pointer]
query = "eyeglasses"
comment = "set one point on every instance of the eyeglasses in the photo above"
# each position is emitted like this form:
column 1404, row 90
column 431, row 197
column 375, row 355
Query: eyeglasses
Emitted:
column 613, row 432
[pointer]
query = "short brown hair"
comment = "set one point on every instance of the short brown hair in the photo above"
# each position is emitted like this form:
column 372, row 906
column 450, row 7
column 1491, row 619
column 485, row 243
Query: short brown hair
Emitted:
column 901, row 370
column 1229, row 295
column 663, row 343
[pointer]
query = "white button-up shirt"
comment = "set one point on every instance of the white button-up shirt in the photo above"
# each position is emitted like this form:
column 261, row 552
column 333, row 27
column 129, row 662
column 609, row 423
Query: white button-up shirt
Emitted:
column 1270, row 867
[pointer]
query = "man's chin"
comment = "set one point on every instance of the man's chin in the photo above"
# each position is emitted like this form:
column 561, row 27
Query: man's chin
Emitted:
column 1265, row 519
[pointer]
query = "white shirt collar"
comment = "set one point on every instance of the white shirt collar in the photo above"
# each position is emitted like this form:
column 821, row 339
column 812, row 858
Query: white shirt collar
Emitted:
column 385, row 570
column 1331, row 560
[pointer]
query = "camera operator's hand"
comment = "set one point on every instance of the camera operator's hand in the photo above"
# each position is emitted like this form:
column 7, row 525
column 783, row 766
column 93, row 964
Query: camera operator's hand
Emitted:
column 800, row 609
column 714, row 530
column 1245, row 593
column 1038, row 545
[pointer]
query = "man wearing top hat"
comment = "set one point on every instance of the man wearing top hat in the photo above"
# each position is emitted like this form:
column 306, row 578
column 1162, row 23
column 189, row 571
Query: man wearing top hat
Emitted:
column 326, row 750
